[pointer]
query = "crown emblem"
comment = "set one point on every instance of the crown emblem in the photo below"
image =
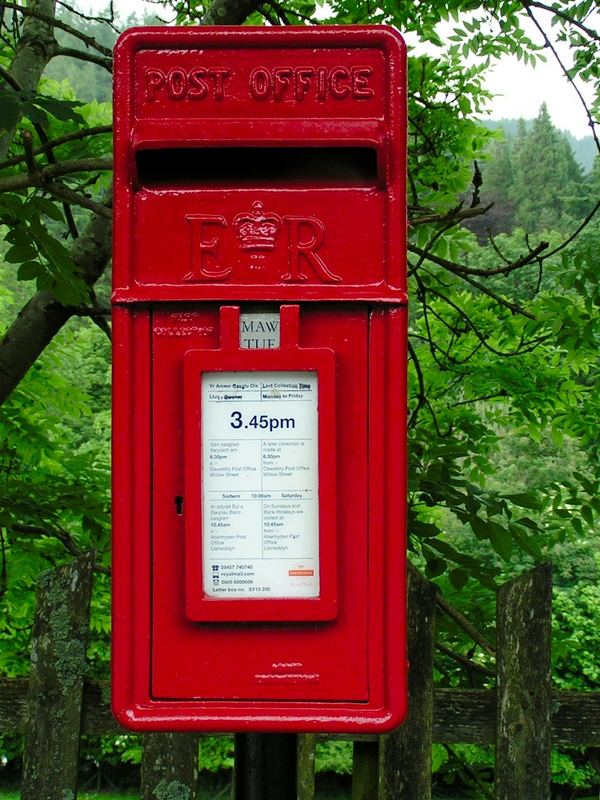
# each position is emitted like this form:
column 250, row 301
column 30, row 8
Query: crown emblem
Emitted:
column 257, row 230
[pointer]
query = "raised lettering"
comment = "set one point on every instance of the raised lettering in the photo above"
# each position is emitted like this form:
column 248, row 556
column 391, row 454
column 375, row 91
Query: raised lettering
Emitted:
column 339, row 90
column 260, row 83
column 282, row 78
column 307, row 250
column 155, row 79
column 177, row 85
column 360, row 83
column 278, row 84
column 199, row 86
column 219, row 76
column 204, row 249
column 303, row 81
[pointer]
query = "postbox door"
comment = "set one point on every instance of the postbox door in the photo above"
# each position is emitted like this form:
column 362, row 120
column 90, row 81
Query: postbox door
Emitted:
column 281, row 657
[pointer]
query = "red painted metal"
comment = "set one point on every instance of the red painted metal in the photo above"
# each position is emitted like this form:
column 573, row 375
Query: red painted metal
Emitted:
column 259, row 166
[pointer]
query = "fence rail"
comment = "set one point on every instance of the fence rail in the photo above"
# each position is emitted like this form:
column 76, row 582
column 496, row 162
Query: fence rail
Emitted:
column 460, row 716
column 523, row 716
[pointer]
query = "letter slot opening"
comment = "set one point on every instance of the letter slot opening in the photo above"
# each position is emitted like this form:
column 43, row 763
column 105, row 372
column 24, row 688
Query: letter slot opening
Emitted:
column 256, row 166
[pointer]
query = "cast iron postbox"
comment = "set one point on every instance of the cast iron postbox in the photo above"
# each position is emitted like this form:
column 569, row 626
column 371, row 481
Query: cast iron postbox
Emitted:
column 259, row 379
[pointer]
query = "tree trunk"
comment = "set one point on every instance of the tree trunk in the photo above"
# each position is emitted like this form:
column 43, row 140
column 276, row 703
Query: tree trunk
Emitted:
column 54, row 708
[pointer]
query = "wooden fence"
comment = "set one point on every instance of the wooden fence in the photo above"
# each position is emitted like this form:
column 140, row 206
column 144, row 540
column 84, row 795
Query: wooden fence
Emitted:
column 523, row 717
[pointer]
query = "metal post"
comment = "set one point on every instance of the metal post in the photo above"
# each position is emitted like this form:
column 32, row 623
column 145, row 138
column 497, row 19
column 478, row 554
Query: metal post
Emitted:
column 265, row 766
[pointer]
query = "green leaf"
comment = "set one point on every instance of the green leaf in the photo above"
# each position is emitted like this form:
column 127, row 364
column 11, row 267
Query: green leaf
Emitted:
column 19, row 253
column 454, row 555
column 424, row 530
column 29, row 270
column 61, row 109
column 435, row 567
column 458, row 578
column 47, row 207
column 576, row 523
column 500, row 540
column 523, row 538
column 10, row 109
column 480, row 528
column 17, row 236
column 439, row 757
column 525, row 500
column 37, row 115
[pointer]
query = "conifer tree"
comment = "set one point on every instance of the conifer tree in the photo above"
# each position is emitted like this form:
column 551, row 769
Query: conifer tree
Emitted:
column 498, row 187
column 548, row 181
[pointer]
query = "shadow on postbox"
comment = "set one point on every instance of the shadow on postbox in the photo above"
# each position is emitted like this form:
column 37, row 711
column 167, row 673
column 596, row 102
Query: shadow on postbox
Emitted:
column 259, row 380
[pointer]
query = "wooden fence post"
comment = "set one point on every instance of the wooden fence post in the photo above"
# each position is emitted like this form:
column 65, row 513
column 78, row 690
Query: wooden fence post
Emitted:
column 524, row 731
column 405, row 754
column 58, row 645
column 306, row 766
column 169, row 766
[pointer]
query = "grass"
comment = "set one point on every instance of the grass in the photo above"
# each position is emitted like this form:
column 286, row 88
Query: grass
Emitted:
column 324, row 794
column 12, row 795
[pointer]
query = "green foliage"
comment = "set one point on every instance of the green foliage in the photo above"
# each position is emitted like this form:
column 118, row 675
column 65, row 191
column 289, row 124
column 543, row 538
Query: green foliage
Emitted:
column 503, row 407
column 574, row 769
column 14, row 104
column 53, row 494
column 467, row 769
column 216, row 753
column 34, row 221
column 125, row 748
column 41, row 257
column 534, row 181
column 577, row 635
column 333, row 756
column 547, row 181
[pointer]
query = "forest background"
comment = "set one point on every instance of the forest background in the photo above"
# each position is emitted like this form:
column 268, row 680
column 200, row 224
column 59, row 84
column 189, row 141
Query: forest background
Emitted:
column 504, row 405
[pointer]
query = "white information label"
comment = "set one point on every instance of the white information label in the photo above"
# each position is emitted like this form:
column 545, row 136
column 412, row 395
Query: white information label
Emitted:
column 260, row 520
column 259, row 330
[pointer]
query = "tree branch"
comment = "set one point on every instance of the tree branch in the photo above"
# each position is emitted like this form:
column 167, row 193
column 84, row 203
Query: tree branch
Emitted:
column 464, row 623
column 90, row 18
column 513, row 307
column 566, row 73
column 482, row 399
column 229, row 12
column 51, row 143
column 565, row 17
column 49, row 19
column 464, row 661
column 39, row 321
column 42, row 317
column 421, row 394
column 45, row 175
column 82, row 55
column 461, row 269
column 478, row 334
column 33, row 52
column 453, row 216
column 576, row 232
column 62, row 192
column 64, row 537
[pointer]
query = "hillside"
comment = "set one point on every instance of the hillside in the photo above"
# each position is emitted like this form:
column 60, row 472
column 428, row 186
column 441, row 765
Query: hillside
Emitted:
column 584, row 149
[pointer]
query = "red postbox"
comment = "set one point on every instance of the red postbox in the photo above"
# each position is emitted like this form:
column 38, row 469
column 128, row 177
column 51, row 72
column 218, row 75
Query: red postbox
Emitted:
column 259, row 379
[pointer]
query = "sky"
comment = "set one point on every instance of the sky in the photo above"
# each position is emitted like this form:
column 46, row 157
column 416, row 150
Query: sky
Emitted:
column 520, row 89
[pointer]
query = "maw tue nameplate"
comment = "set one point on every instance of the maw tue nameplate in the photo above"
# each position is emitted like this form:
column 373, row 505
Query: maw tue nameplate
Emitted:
column 260, row 516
